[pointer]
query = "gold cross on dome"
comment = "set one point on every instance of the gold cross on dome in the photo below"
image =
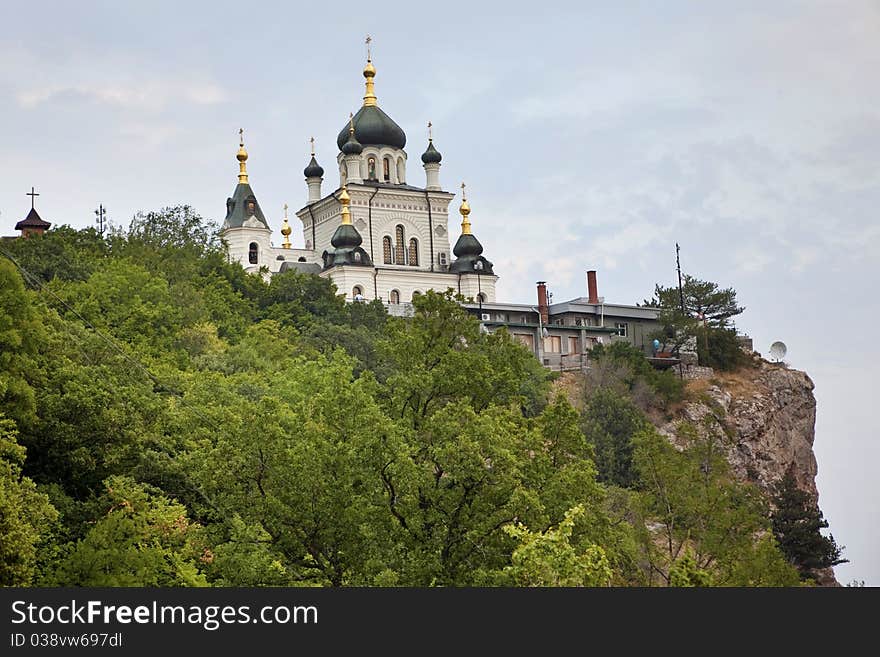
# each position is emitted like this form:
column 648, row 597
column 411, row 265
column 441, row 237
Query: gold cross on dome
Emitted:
column 312, row 142
column 241, row 136
column 285, row 210
column 368, row 41
column 462, row 192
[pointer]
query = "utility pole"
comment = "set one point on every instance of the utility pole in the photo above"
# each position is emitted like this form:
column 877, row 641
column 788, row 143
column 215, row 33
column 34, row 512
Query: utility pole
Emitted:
column 100, row 213
column 680, row 290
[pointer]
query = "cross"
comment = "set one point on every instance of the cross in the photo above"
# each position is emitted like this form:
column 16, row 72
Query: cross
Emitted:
column 463, row 197
column 368, row 41
column 285, row 210
column 241, row 136
column 430, row 134
column 312, row 142
column 32, row 194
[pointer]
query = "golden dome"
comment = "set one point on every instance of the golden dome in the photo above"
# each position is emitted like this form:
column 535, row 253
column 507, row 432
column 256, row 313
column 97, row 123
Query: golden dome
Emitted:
column 465, row 210
column 369, row 70
column 242, row 157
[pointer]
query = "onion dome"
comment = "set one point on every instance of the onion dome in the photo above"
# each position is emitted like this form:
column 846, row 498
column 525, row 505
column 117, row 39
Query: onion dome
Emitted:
column 468, row 250
column 313, row 170
column 346, row 240
column 352, row 146
column 372, row 126
column 431, row 154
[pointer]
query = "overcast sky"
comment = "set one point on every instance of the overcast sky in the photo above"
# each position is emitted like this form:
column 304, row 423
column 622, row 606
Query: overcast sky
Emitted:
column 591, row 136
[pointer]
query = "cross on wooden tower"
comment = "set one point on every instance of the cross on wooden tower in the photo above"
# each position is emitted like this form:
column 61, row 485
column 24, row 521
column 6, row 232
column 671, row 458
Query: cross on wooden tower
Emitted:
column 32, row 194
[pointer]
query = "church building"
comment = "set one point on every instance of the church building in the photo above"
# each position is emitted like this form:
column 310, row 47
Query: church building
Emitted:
column 376, row 235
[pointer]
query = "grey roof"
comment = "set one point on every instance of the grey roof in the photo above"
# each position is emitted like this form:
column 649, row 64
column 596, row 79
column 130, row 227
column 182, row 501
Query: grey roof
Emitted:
column 237, row 211
column 301, row 267
column 373, row 127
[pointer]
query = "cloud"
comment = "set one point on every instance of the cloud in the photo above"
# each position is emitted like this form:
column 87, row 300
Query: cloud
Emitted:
column 152, row 95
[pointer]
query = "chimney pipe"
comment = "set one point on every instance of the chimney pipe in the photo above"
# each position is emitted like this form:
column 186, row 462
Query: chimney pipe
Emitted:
column 591, row 287
column 543, row 306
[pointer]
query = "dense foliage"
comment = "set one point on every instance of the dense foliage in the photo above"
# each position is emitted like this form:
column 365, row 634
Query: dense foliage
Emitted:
column 170, row 420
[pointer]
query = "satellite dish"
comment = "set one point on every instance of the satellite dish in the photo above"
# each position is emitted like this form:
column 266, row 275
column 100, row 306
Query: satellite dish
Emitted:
column 778, row 350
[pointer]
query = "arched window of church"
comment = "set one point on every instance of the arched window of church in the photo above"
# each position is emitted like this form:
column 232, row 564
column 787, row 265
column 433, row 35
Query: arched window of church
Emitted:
column 400, row 247
column 401, row 171
column 357, row 293
column 394, row 297
column 253, row 253
column 371, row 168
column 413, row 252
column 386, row 250
column 357, row 257
column 386, row 169
column 342, row 174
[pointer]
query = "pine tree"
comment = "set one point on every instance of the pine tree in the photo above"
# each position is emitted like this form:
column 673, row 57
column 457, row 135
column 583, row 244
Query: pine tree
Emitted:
column 797, row 523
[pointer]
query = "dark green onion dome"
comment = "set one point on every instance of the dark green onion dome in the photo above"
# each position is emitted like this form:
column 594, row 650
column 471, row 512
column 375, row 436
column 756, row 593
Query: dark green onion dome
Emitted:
column 373, row 127
column 468, row 249
column 346, row 241
column 431, row 154
column 352, row 146
column 346, row 237
column 314, row 170
column 467, row 245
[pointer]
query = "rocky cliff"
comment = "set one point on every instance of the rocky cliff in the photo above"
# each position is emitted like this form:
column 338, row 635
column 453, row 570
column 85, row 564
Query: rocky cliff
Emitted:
column 767, row 415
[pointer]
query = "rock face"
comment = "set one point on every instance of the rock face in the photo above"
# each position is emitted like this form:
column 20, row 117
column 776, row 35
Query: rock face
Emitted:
column 767, row 418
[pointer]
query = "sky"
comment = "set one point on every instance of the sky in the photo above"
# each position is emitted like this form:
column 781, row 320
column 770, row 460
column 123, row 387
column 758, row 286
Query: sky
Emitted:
column 591, row 135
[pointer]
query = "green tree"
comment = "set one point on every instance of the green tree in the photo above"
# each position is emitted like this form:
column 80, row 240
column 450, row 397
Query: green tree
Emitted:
column 701, row 511
column 25, row 513
column 141, row 539
column 704, row 298
column 549, row 559
column 610, row 422
column 21, row 334
column 797, row 524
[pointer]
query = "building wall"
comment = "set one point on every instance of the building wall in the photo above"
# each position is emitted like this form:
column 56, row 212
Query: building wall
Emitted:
column 390, row 207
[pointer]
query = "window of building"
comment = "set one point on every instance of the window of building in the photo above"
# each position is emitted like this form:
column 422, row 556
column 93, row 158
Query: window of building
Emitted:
column 401, row 172
column 400, row 246
column 357, row 257
column 357, row 293
column 526, row 340
column 553, row 344
column 386, row 170
column 253, row 253
column 574, row 345
column 371, row 168
column 413, row 252
column 386, row 250
column 621, row 328
column 394, row 297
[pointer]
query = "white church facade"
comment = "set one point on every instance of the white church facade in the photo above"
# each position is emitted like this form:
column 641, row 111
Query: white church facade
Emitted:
column 376, row 236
